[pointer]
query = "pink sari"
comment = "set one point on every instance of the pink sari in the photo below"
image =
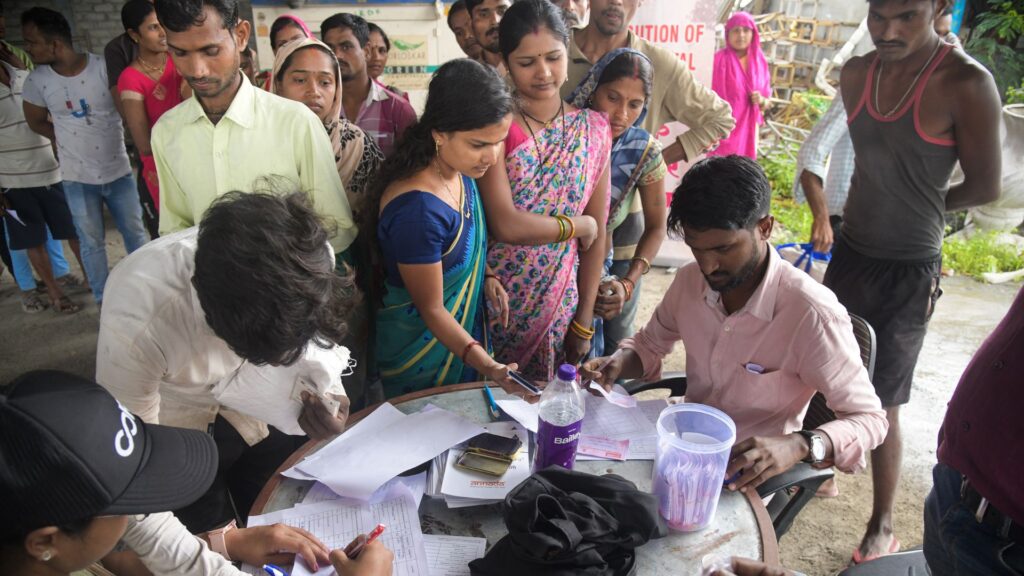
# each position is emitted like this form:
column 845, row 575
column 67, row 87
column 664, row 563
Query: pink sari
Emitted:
column 554, row 173
column 735, row 85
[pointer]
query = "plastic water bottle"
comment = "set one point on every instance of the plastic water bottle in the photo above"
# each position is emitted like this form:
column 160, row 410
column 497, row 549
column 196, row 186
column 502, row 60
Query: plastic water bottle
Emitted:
column 561, row 420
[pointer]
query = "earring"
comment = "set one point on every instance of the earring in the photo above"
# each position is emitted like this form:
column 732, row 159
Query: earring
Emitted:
column 46, row 556
column 437, row 147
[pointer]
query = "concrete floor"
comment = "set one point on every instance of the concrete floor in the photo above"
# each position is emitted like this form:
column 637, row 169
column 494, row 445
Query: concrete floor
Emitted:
column 827, row 531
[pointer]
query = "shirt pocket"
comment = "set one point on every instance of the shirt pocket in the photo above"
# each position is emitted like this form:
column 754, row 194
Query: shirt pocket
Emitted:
column 752, row 398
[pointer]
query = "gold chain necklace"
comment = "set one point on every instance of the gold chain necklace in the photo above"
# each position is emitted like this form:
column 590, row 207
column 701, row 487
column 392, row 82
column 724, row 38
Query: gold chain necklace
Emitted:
column 451, row 195
column 899, row 104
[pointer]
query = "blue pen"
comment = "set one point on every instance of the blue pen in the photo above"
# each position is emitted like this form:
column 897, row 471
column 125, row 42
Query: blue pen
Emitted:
column 274, row 570
column 492, row 407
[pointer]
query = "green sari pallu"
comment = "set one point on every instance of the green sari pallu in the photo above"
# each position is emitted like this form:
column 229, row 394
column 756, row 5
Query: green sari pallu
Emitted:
column 409, row 356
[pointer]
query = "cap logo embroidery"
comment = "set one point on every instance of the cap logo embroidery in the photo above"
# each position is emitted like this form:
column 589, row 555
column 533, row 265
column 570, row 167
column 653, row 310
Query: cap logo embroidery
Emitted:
column 124, row 441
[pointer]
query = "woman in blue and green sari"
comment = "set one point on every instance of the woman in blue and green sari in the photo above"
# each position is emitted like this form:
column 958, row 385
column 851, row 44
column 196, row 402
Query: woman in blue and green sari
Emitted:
column 432, row 237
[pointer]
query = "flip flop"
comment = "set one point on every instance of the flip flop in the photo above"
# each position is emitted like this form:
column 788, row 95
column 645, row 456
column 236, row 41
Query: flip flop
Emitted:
column 858, row 559
column 65, row 306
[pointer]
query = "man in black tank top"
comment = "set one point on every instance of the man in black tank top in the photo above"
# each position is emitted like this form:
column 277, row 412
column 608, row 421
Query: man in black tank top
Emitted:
column 915, row 107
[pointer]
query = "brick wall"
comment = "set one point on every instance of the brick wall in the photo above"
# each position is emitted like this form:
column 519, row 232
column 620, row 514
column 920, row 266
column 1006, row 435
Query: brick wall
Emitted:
column 93, row 22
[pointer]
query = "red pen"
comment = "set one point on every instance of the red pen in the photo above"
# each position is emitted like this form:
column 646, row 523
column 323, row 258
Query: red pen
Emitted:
column 356, row 546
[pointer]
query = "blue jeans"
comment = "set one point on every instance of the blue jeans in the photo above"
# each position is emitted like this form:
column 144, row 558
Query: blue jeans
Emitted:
column 955, row 543
column 86, row 204
column 23, row 268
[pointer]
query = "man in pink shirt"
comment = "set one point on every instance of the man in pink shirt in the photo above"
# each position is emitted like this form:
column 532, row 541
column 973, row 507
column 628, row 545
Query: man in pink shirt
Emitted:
column 761, row 336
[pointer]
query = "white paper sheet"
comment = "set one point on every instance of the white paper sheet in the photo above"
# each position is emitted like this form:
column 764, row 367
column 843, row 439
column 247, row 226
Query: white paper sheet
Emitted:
column 417, row 485
column 451, row 555
column 462, row 484
column 337, row 522
column 358, row 462
column 521, row 411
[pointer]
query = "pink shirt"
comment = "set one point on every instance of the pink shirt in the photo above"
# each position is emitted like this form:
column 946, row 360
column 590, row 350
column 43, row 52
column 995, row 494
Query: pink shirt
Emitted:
column 796, row 330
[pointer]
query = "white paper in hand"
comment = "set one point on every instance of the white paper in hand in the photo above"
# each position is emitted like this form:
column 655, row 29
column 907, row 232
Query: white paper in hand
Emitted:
column 269, row 393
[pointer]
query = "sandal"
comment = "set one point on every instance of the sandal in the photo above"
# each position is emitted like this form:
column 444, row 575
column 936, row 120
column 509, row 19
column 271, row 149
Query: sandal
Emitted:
column 71, row 282
column 858, row 558
column 65, row 306
column 31, row 304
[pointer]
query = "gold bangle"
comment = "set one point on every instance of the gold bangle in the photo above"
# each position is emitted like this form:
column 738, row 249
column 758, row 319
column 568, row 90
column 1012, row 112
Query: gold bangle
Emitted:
column 567, row 227
column 582, row 331
column 647, row 264
column 572, row 227
column 582, row 336
column 561, row 229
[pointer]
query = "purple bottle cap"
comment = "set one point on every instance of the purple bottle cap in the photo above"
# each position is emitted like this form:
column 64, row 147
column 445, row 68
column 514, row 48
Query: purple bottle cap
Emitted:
column 567, row 372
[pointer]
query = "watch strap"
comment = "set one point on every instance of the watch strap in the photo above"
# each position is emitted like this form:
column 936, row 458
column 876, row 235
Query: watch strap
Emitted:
column 217, row 541
column 811, row 436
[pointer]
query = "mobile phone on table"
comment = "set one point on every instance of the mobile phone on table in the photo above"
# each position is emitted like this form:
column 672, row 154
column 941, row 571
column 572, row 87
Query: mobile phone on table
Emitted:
column 494, row 445
column 483, row 463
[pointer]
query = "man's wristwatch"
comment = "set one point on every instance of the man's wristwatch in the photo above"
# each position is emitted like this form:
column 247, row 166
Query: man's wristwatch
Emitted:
column 816, row 455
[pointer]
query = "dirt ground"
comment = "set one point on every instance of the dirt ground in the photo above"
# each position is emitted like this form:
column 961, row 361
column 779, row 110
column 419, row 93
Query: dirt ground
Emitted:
column 823, row 537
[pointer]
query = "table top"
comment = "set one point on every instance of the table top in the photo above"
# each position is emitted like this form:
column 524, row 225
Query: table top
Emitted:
column 741, row 526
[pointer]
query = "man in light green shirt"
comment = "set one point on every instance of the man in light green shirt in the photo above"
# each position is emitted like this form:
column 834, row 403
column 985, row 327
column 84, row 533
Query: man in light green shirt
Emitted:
column 231, row 134
column 676, row 96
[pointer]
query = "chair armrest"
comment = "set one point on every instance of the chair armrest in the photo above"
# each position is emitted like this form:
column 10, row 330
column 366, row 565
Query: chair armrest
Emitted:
column 674, row 381
column 802, row 475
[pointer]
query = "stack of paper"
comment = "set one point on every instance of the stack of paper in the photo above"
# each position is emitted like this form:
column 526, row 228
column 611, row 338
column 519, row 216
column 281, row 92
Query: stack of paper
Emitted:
column 381, row 446
column 337, row 522
column 461, row 488
column 608, row 429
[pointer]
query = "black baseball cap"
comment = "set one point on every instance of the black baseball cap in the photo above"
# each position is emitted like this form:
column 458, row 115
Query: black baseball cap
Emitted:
column 69, row 452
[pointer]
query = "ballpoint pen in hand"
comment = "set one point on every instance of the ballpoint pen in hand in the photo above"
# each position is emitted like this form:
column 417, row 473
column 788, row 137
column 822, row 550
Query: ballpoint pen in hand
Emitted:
column 356, row 546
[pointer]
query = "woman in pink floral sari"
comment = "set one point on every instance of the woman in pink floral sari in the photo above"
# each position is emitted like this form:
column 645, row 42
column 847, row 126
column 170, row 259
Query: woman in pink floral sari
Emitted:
column 556, row 159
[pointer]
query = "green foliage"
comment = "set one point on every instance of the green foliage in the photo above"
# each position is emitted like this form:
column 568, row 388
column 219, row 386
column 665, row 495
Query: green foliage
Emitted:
column 1003, row 20
column 981, row 253
column 1015, row 95
column 781, row 171
column 817, row 104
column 795, row 218
column 994, row 40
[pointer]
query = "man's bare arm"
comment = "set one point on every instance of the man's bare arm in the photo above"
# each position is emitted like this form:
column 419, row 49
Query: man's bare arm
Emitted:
column 976, row 124
column 38, row 120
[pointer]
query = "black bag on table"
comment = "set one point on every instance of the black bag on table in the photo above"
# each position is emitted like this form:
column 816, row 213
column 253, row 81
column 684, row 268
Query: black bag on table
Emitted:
column 562, row 522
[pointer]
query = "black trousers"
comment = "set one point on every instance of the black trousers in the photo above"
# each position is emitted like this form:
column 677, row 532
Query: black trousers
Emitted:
column 242, row 472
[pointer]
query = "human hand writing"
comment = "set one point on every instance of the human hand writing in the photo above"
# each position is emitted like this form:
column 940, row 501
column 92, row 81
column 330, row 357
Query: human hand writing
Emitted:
column 374, row 560
column 605, row 371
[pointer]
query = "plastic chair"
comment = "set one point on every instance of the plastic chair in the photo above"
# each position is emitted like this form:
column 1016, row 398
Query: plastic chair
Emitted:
column 794, row 488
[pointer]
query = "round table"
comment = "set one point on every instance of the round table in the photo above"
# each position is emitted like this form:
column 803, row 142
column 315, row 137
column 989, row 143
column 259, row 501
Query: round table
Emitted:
column 741, row 526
